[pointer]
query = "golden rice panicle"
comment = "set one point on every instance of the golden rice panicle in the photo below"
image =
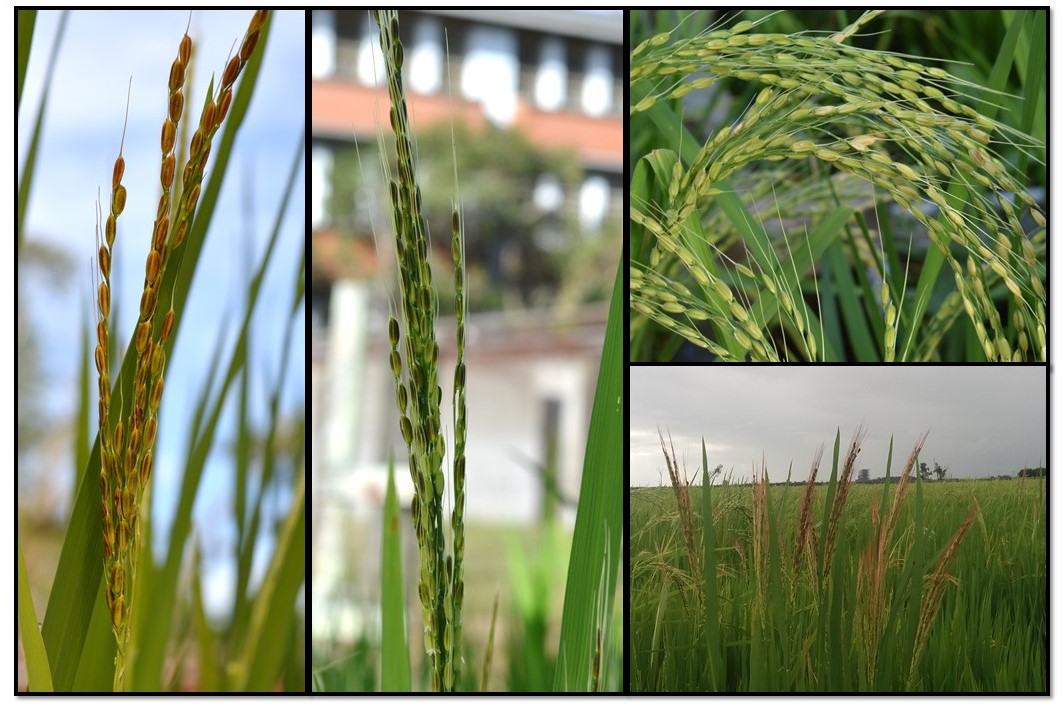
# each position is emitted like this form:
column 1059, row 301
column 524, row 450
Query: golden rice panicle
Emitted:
column 215, row 109
column 127, row 452
column 114, row 487
column 111, row 480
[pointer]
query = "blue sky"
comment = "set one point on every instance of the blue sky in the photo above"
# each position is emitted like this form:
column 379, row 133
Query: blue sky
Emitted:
column 100, row 52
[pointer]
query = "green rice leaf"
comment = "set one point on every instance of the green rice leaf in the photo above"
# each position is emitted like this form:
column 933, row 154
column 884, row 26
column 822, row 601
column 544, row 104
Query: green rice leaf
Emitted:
column 1032, row 110
column 268, row 470
column 25, row 180
column 851, row 306
column 152, row 643
column 394, row 635
column 712, row 636
column 38, row 673
column 997, row 79
column 488, row 652
column 66, row 619
column 210, row 677
column 258, row 666
column 245, row 537
column 83, row 419
column 26, row 20
column 599, row 521
column 927, row 280
column 95, row 671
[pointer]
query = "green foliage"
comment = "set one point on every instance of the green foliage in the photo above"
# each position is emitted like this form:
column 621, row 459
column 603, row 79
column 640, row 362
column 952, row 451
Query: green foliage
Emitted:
column 780, row 627
column 37, row 667
column 353, row 672
column 532, row 581
column 593, row 568
column 499, row 168
column 394, row 632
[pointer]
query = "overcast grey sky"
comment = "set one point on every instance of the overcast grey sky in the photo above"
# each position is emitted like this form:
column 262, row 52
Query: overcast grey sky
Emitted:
column 982, row 421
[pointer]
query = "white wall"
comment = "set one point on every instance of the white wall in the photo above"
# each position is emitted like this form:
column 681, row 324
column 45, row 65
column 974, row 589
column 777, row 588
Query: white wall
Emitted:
column 323, row 44
column 597, row 84
column 320, row 184
column 426, row 58
column 551, row 80
column 491, row 72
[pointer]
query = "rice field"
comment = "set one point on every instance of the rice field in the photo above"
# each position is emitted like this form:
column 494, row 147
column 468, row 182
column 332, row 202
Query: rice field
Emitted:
column 906, row 586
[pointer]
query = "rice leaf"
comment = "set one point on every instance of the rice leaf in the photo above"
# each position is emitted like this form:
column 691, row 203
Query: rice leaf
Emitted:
column 66, row 619
column 26, row 21
column 712, row 636
column 81, row 423
column 37, row 670
column 1032, row 112
column 210, row 677
column 851, row 308
column 927, row 280
column 95, row 670
column 249, row 541
column 152, row 643
column 25, row 180
column 258, row 666
column 245, row 536
column 599, row 520
column 394, row 630
column 488, row 652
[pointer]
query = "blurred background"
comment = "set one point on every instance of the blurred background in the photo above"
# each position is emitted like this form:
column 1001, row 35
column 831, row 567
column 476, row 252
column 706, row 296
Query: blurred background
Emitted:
column 530, row 103
column 213, row 525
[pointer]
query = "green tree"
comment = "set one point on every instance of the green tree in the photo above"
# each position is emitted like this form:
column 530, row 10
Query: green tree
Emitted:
column 518, row 254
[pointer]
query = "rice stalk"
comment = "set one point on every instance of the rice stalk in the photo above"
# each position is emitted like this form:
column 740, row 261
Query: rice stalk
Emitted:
column 873, row 565
column 488, row 653
column 681, row 487
column 805, row 537
column 416, row 376
column 837, row 509
column 127, row 443
column 935, row 584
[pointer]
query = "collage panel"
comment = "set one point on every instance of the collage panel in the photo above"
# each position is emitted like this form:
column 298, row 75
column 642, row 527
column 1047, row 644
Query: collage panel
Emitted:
column 467, row 369
column 838, row 529
column 160, row 521
column 838, row 186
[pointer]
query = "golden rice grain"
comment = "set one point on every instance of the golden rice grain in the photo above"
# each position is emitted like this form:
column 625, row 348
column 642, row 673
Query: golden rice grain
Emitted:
column 119, row 170
column 176, row 107
column 231, row 71
column 176, row 75
column 168, row 168
column 118, row 200
column 223, row 104
column 169, row 135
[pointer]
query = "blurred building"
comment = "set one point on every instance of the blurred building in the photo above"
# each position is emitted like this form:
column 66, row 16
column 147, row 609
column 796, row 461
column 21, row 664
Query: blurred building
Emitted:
column 555, row 76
